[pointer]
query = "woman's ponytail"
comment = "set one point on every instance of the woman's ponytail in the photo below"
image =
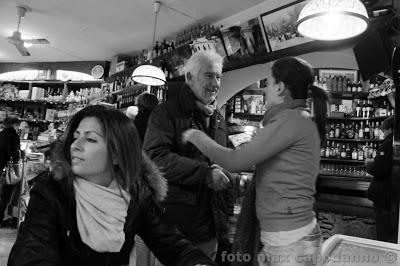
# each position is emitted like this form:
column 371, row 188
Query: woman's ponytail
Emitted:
column 321, row 99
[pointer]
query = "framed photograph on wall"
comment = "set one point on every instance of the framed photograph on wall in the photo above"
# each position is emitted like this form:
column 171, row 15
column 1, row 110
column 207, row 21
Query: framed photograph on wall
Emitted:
column 349, row 74
column 280, row 26
column 244, row 39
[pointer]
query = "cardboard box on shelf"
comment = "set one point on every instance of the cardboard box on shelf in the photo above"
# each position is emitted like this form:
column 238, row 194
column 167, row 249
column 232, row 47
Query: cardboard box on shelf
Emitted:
column 50, row 114
column 121, row 66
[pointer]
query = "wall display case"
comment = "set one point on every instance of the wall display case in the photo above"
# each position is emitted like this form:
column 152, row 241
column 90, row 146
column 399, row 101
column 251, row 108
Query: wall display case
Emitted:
column 45, row 105
column 353, row 135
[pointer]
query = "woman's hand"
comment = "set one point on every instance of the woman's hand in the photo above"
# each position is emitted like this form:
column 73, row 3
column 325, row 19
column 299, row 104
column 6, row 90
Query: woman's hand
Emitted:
column 191, row 135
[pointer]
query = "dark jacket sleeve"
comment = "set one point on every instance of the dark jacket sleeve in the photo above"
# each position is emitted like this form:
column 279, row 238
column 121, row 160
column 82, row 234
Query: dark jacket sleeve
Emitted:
column 381, row 167
column 165, row 241
column 160, row 141
column 14, row 147
column 38, row 238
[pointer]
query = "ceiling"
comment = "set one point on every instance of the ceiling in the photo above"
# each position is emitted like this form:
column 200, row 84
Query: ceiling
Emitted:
column 92, row 30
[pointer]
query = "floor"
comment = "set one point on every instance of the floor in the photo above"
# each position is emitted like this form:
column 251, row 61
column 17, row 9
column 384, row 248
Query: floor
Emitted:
column 7, row 238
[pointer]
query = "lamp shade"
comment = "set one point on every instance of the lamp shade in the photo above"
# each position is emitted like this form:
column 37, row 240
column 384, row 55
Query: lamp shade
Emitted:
column 332, row 19
column 149, row 75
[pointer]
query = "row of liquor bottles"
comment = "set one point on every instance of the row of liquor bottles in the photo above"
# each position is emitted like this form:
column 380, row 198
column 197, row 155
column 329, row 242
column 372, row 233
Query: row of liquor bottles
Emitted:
column 365, row 109
column 337, row 83
column 187, row 36
column 364, row 130
column 362, row 108
column 128, row 98
column 337, row 169
column 336, row 150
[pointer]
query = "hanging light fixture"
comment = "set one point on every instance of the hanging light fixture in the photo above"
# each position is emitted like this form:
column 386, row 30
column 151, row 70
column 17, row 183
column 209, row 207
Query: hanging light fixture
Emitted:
column 332, row 19
column 149, row 74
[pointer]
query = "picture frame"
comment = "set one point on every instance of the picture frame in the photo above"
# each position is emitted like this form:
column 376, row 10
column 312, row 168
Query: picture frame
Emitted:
column 244, row 39
column 350, row 74
column 280, row 27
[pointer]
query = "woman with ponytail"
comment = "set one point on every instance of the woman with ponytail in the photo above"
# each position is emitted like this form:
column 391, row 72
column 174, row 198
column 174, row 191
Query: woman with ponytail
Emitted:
column 286, row 153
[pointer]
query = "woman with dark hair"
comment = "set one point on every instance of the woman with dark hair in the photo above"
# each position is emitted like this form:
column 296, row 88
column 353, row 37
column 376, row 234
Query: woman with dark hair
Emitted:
column 9, row 148
column 286, row 152
column 146, row 102
column 102, row 192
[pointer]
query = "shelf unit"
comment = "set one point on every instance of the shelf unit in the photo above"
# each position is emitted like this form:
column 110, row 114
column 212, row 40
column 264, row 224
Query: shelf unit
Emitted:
column 376, row 118
column 354, row 140
column 44, row 110
column 345, row 161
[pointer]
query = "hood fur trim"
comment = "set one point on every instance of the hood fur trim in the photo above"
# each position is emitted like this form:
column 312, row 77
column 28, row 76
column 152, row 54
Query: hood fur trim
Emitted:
column 153, row 178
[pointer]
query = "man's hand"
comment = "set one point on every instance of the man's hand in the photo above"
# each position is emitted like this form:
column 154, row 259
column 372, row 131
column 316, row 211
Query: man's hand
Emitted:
column 218, row 179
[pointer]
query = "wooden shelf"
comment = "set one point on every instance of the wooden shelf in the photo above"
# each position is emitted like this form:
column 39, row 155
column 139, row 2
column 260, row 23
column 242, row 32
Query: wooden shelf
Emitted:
column 37, row 102
column 355, row 140
column 39, row 121
column 376, row 118
column 323, row 159
column 341, row 177
column 55, row 82
column 129, row 89
column 349, row 95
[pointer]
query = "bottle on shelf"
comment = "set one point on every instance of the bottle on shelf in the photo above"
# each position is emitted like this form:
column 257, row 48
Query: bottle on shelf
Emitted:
column 350, row 131
column 364, row 109
column 343, row 133
column 359, row 86
column 374, row 150
column 377, row 131
column 366, row 130
column 348, row 85
column 348, row 151
column 360, row 151
column 358, row 109
column 343, row 152
column 354, row 153
column 356, row 132
column 334, row 83
column 361, row 131
column 337, row 131
column 327, row 150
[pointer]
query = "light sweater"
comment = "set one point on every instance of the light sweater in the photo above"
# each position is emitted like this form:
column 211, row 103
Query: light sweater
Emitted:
column 286, row 153
column 286, row 180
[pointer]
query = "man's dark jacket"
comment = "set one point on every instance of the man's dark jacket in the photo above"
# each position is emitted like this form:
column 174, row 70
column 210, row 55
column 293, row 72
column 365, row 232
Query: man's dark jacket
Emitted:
column 199, row 212
column 50, row 236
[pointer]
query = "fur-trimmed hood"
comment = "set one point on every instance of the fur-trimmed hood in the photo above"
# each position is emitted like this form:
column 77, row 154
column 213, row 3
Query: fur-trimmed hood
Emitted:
column 151, row 176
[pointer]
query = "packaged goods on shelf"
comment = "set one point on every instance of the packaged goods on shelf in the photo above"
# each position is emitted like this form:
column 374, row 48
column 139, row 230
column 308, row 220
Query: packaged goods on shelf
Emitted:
column 239, row 139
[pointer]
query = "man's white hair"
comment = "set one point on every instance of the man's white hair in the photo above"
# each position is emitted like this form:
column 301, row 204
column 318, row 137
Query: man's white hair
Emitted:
column 198, row 59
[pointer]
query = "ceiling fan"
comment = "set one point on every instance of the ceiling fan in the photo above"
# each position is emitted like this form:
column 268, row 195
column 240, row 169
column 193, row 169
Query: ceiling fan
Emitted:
column 16, row 39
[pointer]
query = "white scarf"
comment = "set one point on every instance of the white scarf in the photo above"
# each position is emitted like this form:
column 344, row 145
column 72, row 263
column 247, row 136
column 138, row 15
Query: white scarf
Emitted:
column 100, row 214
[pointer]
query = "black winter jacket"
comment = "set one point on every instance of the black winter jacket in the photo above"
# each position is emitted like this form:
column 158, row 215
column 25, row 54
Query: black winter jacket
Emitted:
column 50, row 236
column 141, row 120
column 9, row 146
column 380, row 190
column 199, row 212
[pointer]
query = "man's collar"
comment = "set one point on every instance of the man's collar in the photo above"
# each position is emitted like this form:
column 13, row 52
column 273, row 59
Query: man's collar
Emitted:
column 187, row 99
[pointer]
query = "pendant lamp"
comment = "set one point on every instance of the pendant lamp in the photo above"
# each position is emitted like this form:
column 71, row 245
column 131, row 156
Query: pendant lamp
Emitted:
column 330, row 20
column 149, row 74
